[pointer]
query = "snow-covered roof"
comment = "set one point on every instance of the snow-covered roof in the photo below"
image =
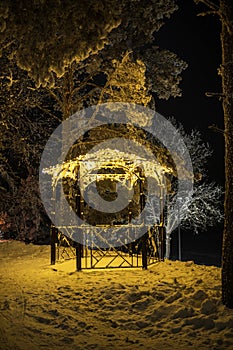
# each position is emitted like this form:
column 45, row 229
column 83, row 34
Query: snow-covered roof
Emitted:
column 89, row 167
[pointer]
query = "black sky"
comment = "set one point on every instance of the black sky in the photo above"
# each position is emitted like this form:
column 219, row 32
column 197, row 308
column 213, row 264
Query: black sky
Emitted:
column 197, row 41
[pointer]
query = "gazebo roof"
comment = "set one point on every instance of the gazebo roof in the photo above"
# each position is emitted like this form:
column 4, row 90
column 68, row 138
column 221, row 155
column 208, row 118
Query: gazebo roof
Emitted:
column 91, row 167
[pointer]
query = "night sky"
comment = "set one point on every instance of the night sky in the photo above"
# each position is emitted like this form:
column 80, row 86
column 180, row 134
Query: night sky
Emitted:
column 197, row 41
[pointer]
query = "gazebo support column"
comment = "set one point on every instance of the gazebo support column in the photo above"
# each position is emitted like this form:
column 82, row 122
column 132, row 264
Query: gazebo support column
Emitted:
column 144, row 252
column 78, row 257
column 53, row 240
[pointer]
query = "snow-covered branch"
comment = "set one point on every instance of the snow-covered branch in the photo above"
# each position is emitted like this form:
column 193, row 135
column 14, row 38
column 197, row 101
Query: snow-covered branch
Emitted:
column 204, row 209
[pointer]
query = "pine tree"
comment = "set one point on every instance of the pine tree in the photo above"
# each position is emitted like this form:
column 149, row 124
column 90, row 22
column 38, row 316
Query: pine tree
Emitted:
column 45, row 44
column 224, row 10
column 45, row 36
column 77, row 65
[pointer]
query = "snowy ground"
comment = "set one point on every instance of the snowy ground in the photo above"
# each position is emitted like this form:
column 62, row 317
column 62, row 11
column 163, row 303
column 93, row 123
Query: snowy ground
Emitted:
column 173, row 305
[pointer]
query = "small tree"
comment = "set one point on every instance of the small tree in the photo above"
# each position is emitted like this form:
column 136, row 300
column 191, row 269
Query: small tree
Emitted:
column 204, row 210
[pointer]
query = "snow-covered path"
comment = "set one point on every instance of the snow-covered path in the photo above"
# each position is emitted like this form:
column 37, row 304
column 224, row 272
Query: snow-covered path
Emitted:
column 173, row 305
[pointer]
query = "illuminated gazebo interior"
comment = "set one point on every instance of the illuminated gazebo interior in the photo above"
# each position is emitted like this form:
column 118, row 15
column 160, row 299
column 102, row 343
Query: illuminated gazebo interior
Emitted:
column 94, row 176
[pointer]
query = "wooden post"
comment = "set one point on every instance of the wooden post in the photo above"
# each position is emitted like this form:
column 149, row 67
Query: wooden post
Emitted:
column 162, row 234
column 53, row 240
column 162, row 241
column 78, row 249
column 144, row 252
column 161, row 227
column 144, row 238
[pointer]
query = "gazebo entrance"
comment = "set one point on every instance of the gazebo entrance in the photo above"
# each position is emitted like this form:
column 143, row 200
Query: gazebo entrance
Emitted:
column 144, row 252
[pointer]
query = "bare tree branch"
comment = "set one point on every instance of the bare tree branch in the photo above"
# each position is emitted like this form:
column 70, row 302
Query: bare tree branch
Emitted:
column 206, row 13
column 209, row 4
column 216, row 129
column 216, row 9
column 219, row 95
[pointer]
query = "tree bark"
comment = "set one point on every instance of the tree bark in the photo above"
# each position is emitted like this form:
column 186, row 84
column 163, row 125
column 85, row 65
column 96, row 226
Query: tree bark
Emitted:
column 226, row 11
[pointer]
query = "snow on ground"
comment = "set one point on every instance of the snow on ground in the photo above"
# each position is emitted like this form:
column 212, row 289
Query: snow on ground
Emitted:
column 172, row 305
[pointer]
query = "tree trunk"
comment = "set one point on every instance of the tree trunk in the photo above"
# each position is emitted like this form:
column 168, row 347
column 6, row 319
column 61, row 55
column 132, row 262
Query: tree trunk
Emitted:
column 226, row 8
